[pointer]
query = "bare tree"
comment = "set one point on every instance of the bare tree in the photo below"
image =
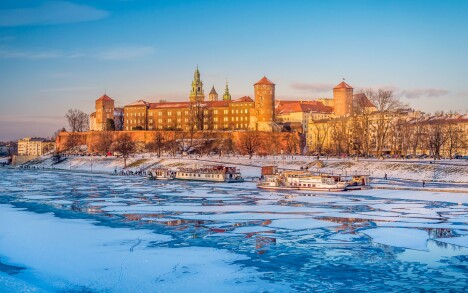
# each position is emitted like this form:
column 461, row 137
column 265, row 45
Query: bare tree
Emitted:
column 158, row 144
column 77, row 120
column 436, row 137
column 292, row 143
column 455, row 138
column 228, row 145
column 249, row 142
column 272, row 143
column 320, row 133
column 125, row 145
column 387, row 104
column 339, row 137
column 104, row 141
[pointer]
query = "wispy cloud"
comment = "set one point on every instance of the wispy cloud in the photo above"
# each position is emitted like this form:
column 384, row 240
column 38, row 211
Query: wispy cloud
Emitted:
column 37, row 55
column 67, row 89
column 313, row 87
column 414, row 93
column 111, row 53
column 423, row 93
column 123, row 53
column 53, row 12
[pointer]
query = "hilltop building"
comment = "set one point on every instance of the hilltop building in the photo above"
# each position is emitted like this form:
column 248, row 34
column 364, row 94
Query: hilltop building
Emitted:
column 106, row 115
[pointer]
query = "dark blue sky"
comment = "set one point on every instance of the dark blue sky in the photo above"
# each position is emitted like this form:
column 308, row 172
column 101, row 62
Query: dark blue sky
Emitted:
column 56, row 55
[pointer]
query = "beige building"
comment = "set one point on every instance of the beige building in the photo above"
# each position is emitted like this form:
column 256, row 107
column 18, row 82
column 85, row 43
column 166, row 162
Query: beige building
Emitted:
column 34, row 146
column 200, row 114
column 301, row 112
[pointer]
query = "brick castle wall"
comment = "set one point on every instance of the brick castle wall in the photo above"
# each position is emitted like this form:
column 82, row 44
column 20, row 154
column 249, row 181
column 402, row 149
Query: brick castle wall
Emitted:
column 269, row 142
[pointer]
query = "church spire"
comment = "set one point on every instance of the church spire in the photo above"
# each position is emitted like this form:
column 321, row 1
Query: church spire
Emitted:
column 197, row 94
column 227, row 95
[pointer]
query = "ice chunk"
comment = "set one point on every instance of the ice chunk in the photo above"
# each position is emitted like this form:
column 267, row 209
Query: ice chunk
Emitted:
column 399, row 237
column 460, row 241
column 301, row 224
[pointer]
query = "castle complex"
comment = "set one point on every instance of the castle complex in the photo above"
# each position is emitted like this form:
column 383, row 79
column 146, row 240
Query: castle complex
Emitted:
column 263, row 113
column 326, row 124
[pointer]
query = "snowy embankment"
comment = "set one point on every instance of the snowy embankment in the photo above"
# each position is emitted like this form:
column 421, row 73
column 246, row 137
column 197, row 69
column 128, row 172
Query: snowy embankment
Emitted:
column 454, row 171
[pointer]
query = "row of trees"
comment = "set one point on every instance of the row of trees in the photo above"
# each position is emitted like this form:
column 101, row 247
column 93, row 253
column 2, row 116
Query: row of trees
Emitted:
column 247, row 143
column 388, row 128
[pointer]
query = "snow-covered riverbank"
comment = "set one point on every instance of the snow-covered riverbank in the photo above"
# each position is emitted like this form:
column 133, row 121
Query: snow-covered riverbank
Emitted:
column 417, row 170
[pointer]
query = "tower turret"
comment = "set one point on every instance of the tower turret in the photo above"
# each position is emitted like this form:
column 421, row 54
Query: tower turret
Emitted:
column 213, row 94
column 104, row 111
column 343, row 99
column 197, row 94
column 263, row 115
column 227, row 95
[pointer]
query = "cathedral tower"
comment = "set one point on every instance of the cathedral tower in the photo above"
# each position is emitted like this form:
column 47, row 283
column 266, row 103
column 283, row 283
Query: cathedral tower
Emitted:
column 227, row 95
column 197, row 94
column 213, row 94
column 343, row 99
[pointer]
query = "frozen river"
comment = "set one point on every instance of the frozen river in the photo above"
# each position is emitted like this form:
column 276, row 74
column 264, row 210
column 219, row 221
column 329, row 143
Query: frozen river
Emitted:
column 64, row 231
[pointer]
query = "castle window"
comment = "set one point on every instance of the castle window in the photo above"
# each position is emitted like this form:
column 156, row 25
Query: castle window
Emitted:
column 215, row 112
column 169, row 113
column 159, row 113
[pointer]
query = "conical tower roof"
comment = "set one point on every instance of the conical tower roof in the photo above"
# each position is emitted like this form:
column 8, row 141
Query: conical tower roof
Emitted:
column 343, row 85
column 105, row 98
column 213, row 91
column 264, row 81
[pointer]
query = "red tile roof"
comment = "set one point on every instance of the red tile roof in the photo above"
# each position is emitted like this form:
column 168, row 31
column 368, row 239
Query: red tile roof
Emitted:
column 138, row 103
column 167, row 105
column 362, row 100
column 298, row 106
column 209, row 104
column 244, row 99
column 264, row 81
column 104, row 98
column 343, row 85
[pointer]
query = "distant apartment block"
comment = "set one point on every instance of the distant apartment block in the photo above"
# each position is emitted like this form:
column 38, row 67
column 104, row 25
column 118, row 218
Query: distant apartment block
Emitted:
column 34, row 146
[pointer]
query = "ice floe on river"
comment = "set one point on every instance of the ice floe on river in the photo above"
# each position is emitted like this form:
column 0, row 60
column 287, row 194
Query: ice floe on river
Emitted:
column 109, row 233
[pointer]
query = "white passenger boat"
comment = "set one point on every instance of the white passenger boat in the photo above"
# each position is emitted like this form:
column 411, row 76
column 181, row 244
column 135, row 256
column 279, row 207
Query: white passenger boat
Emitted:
column 302, row 180
column 210, row 173
column 161, row 174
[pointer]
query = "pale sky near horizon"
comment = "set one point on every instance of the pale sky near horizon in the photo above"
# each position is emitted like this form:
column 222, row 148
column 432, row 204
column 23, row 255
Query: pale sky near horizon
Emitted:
column 56, row 55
